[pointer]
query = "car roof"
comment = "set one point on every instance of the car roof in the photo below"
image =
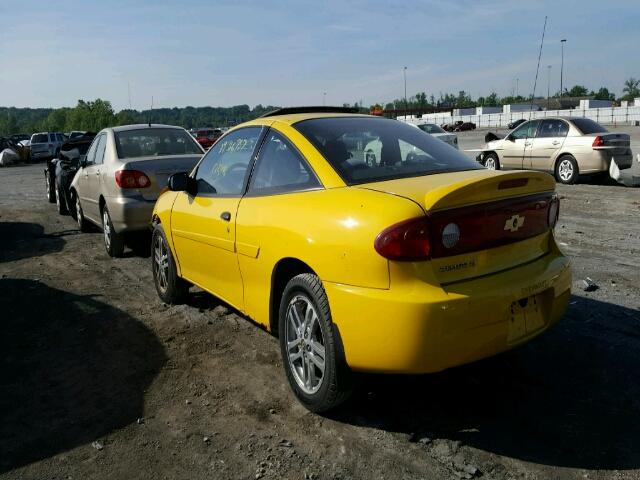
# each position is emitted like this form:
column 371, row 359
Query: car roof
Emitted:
column 142, row 126
column 291, row 118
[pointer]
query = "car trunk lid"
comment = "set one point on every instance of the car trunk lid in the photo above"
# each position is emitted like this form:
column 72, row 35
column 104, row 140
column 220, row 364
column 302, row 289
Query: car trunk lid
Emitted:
column 491, row 212
column 158, row 170
column 616, row 143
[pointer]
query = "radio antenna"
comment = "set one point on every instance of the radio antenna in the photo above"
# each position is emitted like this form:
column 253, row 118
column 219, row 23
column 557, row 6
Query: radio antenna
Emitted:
column 535, row 83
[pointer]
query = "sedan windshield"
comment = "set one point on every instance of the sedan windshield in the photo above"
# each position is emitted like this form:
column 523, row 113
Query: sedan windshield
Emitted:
column 147, row 142
column 431, row 128
column 369, row 149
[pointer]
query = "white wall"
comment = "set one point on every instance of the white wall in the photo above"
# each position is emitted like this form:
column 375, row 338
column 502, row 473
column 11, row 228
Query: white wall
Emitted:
column 606, row 116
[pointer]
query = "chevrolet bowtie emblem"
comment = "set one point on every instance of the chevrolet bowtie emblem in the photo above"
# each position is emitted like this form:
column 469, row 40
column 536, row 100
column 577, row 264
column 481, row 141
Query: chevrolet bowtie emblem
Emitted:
column 514, row 223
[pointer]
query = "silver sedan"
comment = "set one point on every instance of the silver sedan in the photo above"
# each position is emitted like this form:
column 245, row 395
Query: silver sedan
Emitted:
column 122, row 175
column 564, row 147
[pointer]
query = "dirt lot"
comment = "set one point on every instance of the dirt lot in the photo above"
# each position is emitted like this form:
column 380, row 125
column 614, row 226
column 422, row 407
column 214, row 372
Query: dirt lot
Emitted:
column 99, row 379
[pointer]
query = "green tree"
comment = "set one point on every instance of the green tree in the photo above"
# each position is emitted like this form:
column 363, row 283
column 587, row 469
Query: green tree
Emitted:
column 631, row 89
column 603, row 94
column 578, row 91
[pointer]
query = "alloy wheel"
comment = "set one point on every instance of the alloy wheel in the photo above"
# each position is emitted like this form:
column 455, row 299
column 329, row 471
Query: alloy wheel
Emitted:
column 305, row 344
column 106, row 228
column 161, row 263
column 78, row 212
column 490, row 163
column 565, row 170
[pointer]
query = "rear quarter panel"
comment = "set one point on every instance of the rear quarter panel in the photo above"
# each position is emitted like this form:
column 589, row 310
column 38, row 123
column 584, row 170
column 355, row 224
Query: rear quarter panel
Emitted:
column 331, row 230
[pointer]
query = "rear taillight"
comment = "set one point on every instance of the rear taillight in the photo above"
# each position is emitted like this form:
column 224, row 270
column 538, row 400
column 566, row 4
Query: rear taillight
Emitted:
column 132, row 179
column 554, row 211
column 598, row 142
column 405, row 241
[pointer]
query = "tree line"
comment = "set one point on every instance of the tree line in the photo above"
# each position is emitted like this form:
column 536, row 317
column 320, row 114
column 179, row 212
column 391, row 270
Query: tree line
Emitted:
column 98, row 114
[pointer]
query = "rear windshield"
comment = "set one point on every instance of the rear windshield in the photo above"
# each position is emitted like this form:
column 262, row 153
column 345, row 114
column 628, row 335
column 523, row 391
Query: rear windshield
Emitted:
column 155, row 142
column 431, row 128
column 368, row 149
column 40, row 138
column 587, row 126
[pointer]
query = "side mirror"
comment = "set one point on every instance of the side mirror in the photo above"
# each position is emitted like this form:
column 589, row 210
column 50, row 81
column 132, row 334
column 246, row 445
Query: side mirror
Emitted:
column 83, row 161
column 509, row 138
column 181, row 182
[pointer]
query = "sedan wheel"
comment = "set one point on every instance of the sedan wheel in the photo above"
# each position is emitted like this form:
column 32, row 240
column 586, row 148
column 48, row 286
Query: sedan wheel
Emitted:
column 491, row 162
column 161, row 264
column 83, row 225
column 113, row 241
column 567, row 170
column 305, row 345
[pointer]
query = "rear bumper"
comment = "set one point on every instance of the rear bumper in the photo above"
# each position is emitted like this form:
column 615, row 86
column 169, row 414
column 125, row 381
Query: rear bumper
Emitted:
column 130, row 214
column 600, row 160
column 422, row 328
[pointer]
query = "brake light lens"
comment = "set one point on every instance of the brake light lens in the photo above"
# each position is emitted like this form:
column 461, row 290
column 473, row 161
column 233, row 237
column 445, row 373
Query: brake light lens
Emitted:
column 132, row 179
column 405, row 241
column 554, row 211
column 598, row 142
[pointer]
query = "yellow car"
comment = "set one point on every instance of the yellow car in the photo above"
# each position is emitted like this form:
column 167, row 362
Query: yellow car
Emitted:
column 411, row 262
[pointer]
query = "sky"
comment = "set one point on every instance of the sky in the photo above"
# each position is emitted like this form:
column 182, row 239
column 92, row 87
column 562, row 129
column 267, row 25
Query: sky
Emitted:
column 223, row 53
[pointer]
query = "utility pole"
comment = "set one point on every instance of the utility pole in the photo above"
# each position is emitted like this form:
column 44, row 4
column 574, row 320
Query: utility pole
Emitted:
column 406, row 104
column 517, row 81
column 324, row 98
column 562, row 42
column 548, row 84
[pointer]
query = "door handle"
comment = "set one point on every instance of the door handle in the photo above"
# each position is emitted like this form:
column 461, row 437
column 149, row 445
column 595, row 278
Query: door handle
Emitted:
column 226, row 216
column 98, row 173
column 526, row 144
column 555, row 143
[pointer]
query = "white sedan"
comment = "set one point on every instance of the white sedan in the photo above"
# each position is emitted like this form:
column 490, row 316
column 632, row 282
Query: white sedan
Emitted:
column 438, row 132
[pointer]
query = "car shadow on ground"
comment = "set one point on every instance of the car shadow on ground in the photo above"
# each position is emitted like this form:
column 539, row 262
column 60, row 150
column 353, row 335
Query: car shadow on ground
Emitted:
column 72, row 369
column 20, row 240
column 570, row 398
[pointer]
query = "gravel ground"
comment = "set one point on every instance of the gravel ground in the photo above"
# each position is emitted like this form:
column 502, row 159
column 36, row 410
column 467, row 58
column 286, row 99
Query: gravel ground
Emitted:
column 99, row 379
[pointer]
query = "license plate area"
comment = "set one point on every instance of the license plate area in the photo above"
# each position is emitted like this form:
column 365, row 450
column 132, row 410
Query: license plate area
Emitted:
column 525, row 317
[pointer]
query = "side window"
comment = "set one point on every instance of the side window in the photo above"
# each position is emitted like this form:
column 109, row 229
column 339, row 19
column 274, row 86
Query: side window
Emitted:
column 553, row 128
column 526, row 130
column 102, row 145
column 281, row 168
column 224, row 167
column 91, row 153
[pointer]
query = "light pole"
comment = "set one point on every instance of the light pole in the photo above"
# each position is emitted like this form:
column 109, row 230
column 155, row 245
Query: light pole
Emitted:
column 324, row 98
column 548, row 84
column 562, row 42
column 517, row 81
column 406, row 105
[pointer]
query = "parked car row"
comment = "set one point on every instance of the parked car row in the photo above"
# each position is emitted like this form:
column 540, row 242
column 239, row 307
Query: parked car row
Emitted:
column 356, row 263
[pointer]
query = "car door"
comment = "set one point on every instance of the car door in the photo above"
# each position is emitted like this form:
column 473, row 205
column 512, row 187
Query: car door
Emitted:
column 546, row 144
column 281, row 178
column 91, row 204
column 515, row 144
column 203, row 222
column 82, row 178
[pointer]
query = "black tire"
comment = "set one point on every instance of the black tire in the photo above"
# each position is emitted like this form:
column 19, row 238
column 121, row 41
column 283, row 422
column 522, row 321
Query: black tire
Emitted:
column 50, row 187
column 336, row 383
column 567, row 170
column 83, row 224
column 493, row 158
column 171, row 288
column 61, row 202
column 113, row 241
